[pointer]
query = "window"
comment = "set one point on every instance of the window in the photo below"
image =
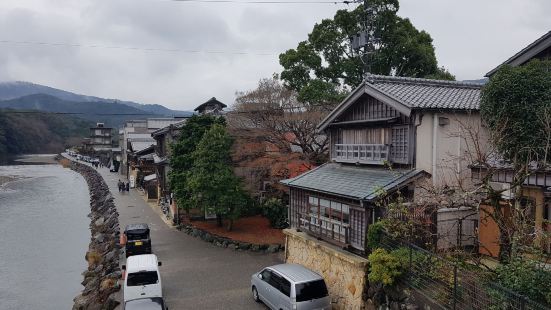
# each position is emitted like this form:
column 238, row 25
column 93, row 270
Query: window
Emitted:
column 142, row 278
column 138, row 235
column 310, row 290
column 266, row 275
column 281, row 284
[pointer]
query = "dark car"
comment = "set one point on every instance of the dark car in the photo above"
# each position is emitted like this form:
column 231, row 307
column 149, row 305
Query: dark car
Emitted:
column 138, row 240
column 154, row 303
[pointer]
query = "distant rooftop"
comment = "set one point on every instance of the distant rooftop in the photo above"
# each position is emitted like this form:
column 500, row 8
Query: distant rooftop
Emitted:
column 211, row 101
column 527, row 53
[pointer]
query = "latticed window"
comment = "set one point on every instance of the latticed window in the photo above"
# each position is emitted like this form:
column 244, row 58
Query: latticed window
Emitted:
column 400, row 144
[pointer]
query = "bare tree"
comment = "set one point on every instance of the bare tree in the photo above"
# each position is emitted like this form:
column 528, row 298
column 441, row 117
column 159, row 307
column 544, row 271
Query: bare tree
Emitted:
column 275, row 111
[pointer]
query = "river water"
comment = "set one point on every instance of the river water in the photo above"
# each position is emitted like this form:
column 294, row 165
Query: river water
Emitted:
column 43, row 236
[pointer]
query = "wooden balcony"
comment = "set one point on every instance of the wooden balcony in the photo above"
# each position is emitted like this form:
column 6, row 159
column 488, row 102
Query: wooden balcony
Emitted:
column 361, row 153
column 324, row 228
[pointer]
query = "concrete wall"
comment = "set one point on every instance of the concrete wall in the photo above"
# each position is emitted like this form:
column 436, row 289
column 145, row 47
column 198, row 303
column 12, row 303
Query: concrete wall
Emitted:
column 448, row 227
column 344, row 272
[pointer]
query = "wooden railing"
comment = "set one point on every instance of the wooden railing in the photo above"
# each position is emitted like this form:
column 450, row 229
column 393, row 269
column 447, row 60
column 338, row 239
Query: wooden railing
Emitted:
column 361, row 153
column 325, row 228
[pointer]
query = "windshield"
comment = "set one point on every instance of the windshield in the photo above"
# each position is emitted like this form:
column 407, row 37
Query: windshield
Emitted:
column 310, row 290
column 137, row 235
column 142, row 278
column 145, row 304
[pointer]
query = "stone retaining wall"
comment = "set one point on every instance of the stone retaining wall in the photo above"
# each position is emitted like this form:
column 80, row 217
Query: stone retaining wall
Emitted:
column 101, row 278
column 344, row 272
column 229, row 243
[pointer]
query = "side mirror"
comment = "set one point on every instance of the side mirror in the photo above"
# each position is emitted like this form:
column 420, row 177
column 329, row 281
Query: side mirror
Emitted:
column 260, row 276
column 160, row 263
column 123, row 267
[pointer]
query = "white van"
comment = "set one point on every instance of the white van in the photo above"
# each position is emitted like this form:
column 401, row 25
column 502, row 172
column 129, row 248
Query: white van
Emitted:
column 142, row 278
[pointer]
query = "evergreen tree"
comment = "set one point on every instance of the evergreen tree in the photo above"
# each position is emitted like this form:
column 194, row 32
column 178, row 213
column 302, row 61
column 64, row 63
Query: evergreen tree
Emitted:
column 213, row 185
column 182, row 160
column 323, row 70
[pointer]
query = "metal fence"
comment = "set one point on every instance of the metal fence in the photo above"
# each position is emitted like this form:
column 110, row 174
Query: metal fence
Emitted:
column 449, row 285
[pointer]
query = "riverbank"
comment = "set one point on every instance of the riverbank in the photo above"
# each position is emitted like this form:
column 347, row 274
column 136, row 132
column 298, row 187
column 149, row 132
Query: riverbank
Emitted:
column 101, row 278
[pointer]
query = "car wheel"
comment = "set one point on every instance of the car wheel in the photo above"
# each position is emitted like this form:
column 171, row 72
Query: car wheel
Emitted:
column 255, row 295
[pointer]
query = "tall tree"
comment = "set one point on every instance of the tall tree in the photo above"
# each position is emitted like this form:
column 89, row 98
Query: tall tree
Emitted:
column 322, row 69
column 182, row 158
column 516, row 107
column 211, row 181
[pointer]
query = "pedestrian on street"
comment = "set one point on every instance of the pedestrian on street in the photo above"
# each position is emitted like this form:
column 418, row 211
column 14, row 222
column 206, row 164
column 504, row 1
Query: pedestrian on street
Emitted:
column 128, row 186
column 120, row 185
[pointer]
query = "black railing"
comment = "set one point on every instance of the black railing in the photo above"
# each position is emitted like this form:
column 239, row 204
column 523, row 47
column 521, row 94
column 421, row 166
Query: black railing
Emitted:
column 449, row 285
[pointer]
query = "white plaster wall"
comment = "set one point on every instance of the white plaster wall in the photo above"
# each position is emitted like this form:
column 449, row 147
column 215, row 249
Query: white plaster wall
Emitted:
column 455, row 148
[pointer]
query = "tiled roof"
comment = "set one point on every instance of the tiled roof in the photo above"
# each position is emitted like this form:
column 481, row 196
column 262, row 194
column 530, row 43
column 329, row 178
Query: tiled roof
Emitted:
column 212, row 101
column 357, row 182
column 526, row 53
column 428, row 94
column 140, row 146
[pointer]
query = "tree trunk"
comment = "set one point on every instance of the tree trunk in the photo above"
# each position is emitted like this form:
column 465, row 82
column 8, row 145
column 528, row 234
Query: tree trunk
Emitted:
column 230, row 224
column 219, row 219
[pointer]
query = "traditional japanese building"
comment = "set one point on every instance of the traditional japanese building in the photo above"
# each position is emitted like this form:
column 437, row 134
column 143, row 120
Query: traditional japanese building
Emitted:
column 387, row 136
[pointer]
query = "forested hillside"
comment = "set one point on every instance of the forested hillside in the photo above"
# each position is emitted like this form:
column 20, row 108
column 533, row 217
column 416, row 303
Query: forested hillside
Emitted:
column 22, row 133
column 111, row 113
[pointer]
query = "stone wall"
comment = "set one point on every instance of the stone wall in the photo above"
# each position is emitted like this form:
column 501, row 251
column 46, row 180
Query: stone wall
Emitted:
column 101, row 278
column 344, row 272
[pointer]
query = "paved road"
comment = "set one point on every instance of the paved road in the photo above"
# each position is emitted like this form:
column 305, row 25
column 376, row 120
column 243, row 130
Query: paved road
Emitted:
column 196, row 275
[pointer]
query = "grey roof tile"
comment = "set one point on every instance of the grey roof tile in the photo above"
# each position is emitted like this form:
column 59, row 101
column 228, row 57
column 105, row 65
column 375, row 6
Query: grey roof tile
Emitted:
column 363, row 183
column 429, row 94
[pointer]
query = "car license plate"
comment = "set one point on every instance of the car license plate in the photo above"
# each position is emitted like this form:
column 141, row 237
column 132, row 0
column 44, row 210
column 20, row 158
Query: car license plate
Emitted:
column 138, row 243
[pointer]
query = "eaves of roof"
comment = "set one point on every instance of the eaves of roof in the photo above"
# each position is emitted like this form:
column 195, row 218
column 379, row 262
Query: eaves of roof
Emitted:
column 526, row 53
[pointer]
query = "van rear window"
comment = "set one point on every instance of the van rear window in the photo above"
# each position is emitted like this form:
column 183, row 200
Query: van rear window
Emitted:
column 137, row 235
column 142, row 278
column 310, row 290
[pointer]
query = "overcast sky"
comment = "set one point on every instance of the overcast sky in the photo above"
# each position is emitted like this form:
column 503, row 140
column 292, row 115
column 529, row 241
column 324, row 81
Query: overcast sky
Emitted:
column 470, row 36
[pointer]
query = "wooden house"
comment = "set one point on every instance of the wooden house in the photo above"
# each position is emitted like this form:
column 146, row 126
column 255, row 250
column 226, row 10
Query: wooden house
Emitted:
column 385, row 136
column 212, row 106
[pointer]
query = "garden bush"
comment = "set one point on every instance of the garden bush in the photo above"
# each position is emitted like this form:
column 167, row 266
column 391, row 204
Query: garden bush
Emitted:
column 526, row 277
column 385, row 268
column 375, row 234
column 274, row 210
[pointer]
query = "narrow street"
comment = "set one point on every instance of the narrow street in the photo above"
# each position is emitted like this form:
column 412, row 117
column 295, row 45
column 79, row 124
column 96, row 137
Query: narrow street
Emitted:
column 195, row 274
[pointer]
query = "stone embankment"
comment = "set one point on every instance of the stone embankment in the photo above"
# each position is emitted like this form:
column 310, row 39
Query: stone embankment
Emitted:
column 229, row 243
column 101, row 278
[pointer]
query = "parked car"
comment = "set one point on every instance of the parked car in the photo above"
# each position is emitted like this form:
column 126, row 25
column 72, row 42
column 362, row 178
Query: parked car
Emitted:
column 152, row 303
column 290, row 287
column 142, row 278
column 137, row 239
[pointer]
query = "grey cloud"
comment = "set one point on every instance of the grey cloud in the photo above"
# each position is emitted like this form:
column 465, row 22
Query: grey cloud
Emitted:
column 470, row 37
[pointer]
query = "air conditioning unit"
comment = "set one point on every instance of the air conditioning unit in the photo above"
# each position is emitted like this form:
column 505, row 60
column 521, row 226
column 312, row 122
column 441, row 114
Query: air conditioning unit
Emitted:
column 506, row 193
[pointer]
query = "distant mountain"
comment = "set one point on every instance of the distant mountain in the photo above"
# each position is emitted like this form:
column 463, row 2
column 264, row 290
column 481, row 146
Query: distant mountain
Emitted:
column 92, row 110
column 39, row 133
column 13, row 90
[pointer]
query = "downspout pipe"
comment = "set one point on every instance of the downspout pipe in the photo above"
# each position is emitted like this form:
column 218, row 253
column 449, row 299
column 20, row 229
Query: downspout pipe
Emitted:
column 434, row 143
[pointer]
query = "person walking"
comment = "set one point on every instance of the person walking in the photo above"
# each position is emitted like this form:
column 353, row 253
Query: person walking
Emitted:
column 128, row 186
column 120, row 185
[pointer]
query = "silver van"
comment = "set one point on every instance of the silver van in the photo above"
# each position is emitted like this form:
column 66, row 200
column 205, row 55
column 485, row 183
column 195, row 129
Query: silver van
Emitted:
column 290, row 287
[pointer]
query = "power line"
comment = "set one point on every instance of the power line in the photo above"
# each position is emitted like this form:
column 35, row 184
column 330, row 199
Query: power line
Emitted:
column 266, row 2
column 146, row 49
column 70, row 113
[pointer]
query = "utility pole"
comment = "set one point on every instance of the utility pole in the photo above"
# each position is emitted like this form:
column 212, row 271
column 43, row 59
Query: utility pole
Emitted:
column 365, row 43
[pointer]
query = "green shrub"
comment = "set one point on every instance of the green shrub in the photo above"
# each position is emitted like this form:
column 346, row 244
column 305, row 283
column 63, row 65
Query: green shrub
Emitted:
column 375, row 234
column 526, row 277
column 385, row 268
column 274, row 210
